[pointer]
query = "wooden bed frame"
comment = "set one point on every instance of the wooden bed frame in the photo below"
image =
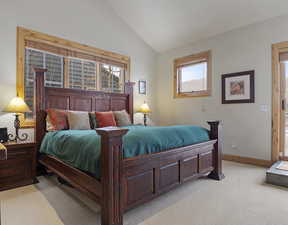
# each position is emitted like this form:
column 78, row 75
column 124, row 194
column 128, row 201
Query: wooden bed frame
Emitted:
column 124, row 183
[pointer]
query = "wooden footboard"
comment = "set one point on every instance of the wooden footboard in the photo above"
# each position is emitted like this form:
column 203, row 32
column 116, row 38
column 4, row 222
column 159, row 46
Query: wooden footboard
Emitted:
column 130, row 182
column 147, row 177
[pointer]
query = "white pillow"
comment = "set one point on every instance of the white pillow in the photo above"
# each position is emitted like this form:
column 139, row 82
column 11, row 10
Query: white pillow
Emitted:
column 78, row 120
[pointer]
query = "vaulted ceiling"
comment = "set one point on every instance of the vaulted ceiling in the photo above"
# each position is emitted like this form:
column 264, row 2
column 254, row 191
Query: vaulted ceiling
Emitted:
column 166, row 24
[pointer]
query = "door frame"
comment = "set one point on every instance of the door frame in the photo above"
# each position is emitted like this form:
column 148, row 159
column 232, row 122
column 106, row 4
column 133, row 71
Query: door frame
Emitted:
column 278, row 115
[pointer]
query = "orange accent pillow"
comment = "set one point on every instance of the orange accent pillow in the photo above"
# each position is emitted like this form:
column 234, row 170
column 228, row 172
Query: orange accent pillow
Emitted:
column 58, row 119
column 105, row 119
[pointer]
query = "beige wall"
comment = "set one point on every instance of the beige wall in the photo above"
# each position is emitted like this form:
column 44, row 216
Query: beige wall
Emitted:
column 93, row 22
column 247, row 128
column 90, row 22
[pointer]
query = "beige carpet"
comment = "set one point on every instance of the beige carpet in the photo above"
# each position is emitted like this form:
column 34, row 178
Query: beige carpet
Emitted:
column 242, row 198
column 26, row 206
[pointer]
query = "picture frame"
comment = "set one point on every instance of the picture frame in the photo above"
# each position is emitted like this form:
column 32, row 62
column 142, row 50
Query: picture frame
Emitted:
column 142, row 86
column 238, row 87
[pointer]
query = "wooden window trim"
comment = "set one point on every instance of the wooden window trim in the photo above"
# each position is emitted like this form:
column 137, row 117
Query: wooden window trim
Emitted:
column 70, row 53
column 278, row 115
column 192, row 60
column 31, row 38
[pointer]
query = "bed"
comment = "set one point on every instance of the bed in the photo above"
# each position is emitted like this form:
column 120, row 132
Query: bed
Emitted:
column 124, row 180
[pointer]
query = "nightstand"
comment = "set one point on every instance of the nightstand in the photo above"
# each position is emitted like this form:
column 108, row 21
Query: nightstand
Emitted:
column 20, row 167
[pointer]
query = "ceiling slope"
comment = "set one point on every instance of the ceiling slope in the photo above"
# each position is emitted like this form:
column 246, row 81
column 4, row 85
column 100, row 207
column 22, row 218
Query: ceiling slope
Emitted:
column 167, row 24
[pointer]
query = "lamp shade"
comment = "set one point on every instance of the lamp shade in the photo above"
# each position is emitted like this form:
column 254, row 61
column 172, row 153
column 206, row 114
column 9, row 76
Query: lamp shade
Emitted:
column 17, row 105
column 144, row 108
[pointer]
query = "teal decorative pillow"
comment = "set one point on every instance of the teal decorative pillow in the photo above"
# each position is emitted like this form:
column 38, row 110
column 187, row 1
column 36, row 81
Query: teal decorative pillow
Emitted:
column 122, row 118
column 92, row 119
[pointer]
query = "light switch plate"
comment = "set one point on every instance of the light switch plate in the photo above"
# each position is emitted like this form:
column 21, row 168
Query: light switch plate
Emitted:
column 264, row 108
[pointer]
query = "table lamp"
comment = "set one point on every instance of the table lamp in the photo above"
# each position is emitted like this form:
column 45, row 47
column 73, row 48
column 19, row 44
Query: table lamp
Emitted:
column 17, row 106
column 144, row 108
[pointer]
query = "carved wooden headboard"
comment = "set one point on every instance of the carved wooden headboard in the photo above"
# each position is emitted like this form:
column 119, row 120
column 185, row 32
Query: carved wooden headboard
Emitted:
column 76, row 100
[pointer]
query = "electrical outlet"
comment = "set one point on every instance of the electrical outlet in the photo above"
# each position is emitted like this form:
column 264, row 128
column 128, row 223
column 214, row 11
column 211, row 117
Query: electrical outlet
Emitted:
column 234, row 146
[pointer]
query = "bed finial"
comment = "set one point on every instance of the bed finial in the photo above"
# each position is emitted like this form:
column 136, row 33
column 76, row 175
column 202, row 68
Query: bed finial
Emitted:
column 216, row 133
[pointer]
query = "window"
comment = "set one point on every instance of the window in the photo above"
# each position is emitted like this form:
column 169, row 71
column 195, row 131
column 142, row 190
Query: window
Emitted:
column 112, row 78
column 192, row 76
column 81, row 74
column 53, row 78
column 69, row 65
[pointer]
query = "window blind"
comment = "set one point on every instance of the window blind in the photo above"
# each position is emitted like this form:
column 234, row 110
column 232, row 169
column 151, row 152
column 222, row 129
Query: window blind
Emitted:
column 53, row 76
column 75, row 73
column 112, row 78
column 82, row 74
column 32, row 59
column 116, row 79
column 89, row 74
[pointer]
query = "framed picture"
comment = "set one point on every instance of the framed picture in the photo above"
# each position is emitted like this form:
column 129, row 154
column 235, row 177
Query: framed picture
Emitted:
column 238, row 87
column 142, row 87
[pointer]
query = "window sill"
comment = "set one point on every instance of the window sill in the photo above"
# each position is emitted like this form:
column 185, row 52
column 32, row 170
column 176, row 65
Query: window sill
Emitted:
column 193, row 94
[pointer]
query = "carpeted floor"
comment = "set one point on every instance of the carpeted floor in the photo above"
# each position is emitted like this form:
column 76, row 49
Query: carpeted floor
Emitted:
column 242, row 198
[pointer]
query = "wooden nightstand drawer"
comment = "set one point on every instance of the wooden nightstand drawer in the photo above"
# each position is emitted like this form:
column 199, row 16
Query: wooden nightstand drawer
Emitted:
column 20, row 167
column 19, row 153
column 15, row 170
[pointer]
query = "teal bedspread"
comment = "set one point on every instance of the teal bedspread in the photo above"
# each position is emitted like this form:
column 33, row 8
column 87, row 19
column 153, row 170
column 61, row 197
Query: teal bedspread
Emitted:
column 81, row 148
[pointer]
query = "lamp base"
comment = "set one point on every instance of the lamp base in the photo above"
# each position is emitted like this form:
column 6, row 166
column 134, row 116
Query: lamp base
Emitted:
column 145, row 119
column 16, row 137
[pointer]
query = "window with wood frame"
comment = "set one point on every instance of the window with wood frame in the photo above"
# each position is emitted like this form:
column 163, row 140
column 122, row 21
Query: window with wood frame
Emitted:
column 192, row 75
column 69, row 65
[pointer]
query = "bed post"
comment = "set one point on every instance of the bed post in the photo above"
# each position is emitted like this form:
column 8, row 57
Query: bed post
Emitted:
column 216, row 133
column 128, row 89
column 111, row 175
column 39, row 101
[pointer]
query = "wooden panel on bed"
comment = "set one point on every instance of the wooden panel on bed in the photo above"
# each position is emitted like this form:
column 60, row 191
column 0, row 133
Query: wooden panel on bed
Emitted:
column 189, row 168
column 102, row 103
column 139, row 186
column 205, row 161
column 81, row 103
column 169, row 176
column 58, row 102
column 164, row 171
column 118, row 103
column 78, row 100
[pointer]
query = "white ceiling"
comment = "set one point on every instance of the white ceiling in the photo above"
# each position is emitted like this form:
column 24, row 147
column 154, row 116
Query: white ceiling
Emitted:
column 166, row 24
